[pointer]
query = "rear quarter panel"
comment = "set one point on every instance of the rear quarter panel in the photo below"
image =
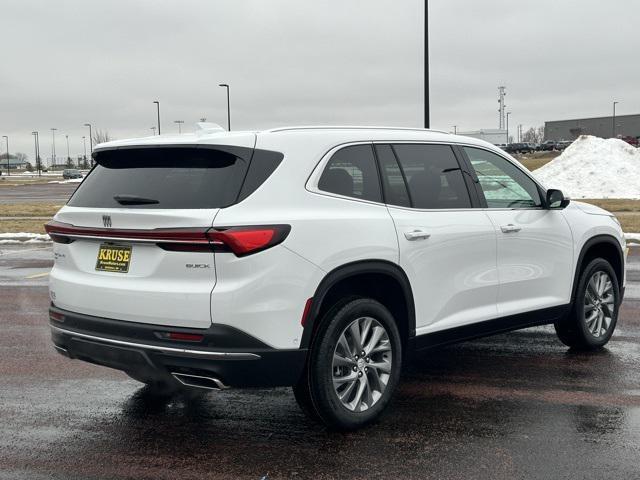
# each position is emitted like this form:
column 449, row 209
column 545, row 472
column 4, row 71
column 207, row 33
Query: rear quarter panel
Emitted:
column 326, row 232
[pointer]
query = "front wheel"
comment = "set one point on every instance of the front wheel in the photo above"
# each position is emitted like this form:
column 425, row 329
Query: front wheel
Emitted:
column 594, row 313
column 354, row 365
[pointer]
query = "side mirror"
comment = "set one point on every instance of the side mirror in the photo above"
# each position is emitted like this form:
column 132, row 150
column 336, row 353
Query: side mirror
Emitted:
column 556, row 199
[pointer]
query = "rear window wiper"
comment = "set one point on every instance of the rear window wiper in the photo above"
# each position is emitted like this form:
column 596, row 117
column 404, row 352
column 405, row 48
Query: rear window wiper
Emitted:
column 134, row 200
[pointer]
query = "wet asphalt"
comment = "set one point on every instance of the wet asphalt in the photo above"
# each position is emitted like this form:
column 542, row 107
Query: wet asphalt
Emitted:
column 57, row 193
column 518, row 405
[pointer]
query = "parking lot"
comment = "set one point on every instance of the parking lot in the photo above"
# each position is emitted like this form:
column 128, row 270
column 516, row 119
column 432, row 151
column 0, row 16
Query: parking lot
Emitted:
column 512, row 406
column 32, row 193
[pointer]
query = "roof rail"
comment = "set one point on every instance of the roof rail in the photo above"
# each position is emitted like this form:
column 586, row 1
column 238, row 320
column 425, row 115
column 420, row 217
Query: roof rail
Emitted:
column 352, row 127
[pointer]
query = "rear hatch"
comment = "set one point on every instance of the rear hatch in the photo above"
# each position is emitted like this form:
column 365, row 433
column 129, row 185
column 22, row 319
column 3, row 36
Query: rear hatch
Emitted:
column 132, row 242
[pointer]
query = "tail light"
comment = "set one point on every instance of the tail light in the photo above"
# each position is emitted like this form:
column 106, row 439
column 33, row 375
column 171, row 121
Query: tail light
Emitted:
column 246, row 240
column 242, row 241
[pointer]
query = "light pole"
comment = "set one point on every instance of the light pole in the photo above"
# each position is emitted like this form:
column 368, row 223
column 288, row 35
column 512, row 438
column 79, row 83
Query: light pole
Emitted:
column 7, row 140
column 158, row 110
column 427, row 119
column 53, row 148
column 508, row 113
column 455, row 129
column 90, row 140
column 35, row 150
column 68, row 156
column 179, row 122
column 38, row 161
column 84, row 143
column 153, row 129
column 613, row 129
column 228, row 106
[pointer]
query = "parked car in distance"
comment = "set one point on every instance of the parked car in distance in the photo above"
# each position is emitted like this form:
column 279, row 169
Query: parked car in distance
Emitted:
column 520, row 148
column 320, row 258
column 563, row 144
column 634, row 141
column 70, row 173
column 548, row 146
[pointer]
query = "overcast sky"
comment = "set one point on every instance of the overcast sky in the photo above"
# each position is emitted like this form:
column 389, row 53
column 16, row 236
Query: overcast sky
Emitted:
column 297, row 62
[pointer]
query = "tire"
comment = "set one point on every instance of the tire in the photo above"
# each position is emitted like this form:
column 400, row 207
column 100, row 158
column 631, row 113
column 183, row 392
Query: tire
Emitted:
column 593, row 300
column 365, row 382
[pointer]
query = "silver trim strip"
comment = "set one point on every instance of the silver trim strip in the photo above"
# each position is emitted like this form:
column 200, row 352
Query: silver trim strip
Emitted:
column 183, row 351
column 133, row 240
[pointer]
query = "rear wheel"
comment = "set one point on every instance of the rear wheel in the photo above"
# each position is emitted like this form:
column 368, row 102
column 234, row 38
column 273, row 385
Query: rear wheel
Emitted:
column 354, row 365
column 594, row 313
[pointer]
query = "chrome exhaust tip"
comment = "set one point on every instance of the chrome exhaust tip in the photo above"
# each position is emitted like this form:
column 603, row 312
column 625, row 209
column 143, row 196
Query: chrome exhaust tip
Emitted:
column 197, row 381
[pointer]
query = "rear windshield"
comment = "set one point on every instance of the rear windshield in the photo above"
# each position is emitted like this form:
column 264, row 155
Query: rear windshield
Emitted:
column 167, row 178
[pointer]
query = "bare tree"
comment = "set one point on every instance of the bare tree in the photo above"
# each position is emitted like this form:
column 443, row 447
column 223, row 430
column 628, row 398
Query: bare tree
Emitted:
column 101, row 136
column 533, row 135
column 22, row 157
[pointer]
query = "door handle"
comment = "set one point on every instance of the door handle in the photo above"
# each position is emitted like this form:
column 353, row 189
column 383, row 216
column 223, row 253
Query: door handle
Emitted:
column 416, row 234
column 511, row 228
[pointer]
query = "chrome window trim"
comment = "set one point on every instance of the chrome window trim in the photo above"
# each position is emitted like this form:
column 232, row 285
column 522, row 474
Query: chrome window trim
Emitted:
column 313, row 179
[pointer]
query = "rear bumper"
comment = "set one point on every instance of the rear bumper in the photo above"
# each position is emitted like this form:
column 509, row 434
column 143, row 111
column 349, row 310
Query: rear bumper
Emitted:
column 232, row 357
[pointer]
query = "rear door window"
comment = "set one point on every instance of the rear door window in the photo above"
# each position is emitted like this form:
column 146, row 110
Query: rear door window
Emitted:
column 169, row 178
column 433, row 175
column 352, row 172
column 395, row 187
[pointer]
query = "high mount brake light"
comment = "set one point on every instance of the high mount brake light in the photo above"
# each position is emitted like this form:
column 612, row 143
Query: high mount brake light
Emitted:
column 243, row 240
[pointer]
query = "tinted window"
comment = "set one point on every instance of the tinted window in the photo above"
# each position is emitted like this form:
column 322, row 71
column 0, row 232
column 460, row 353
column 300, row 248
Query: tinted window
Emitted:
column 433, row 176
column 504, row 185
column 395, row 188
column 352, row 172
column 172, row 177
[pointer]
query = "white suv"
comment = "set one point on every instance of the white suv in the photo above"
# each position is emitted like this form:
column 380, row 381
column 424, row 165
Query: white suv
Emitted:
column 319, row 258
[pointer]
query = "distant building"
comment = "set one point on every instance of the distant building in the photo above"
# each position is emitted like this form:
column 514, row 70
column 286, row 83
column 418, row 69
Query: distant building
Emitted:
column 626, row 126
column 495, row 136
column 14, row 163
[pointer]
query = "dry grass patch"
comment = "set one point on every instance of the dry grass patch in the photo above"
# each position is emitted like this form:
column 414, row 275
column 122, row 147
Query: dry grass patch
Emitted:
column 630, row 221
column 614, row 204
column 29, row 210
column 17, row 226
column 533, row 161
column 16, row 182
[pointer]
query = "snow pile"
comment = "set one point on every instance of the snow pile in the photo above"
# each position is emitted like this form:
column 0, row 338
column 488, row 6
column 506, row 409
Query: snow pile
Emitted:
column 71, row 180
column 22, row 238
column 593, row 167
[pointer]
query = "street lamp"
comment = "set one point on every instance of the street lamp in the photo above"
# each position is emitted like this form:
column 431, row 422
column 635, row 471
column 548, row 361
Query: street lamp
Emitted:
column 179, row 122
column 84, row 143
column 53, row 148
column 613, row 130
column 7, row 139
column 68, row 156
column 427, row 119
column 36, row 139
column 90, row 140
column 158, row 109
column 228, row 106
column 455, row 129
column 508, row 113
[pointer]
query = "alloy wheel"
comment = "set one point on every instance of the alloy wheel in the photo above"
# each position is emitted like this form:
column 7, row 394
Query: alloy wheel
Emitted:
column 599, row 304
column 361, row 364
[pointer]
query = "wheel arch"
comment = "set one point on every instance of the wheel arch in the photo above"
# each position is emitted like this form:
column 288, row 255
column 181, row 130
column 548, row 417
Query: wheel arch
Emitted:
column 382, row 280
column 604, row 246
